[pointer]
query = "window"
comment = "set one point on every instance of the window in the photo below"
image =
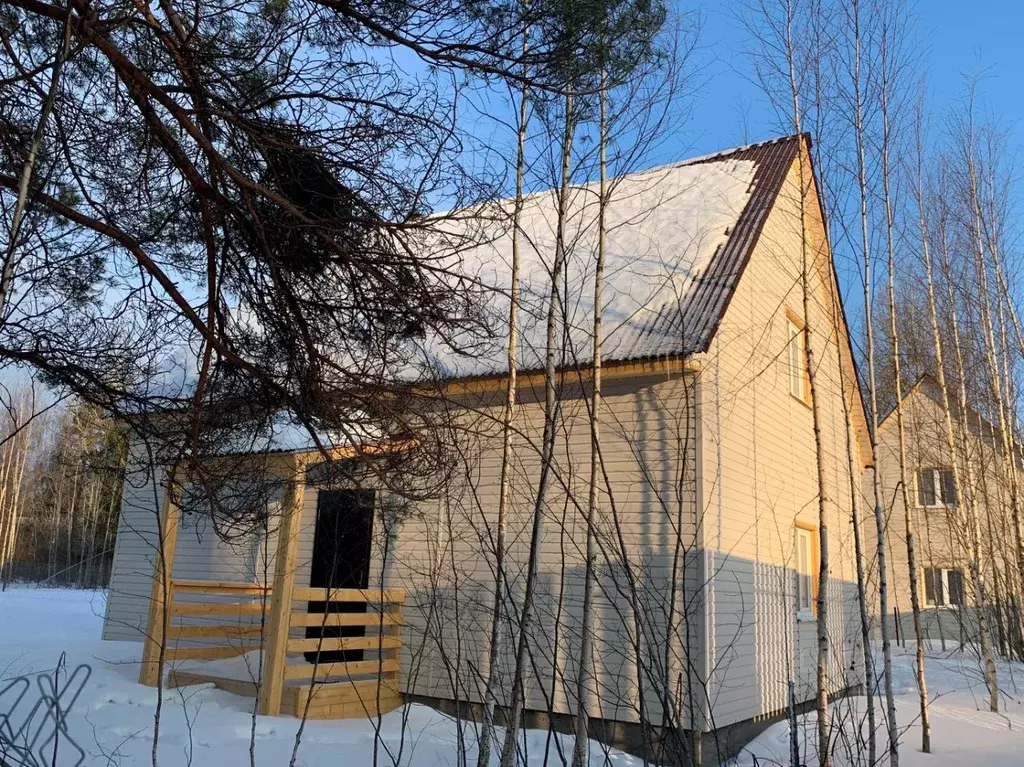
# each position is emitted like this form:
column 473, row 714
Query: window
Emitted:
column 936, row 488
column 943, row 587
column 799, row 381
column 806, row 577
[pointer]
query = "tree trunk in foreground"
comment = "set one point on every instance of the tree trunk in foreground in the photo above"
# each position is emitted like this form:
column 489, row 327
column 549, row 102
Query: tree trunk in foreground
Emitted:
column 508, row 751
column 505, row 490
column 908, row 518
column 586, row 679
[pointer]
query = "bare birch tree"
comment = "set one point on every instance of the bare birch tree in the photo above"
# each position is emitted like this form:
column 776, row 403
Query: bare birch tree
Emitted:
column 508, row 415
column 585, row 675
column 860, row 140
column 890, row 71
column 968, row 150
column 525, row 617
column 794, row 40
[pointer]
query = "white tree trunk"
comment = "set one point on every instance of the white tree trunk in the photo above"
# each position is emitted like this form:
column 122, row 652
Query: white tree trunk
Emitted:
column 976, row 564
column 586, row 678
column 508, row 415
column 508, row 751
column 879, row 511
column 908, row 517
column 808, row 266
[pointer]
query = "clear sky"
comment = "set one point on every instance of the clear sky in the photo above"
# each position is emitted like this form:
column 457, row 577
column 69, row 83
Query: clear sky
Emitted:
column 955, row 40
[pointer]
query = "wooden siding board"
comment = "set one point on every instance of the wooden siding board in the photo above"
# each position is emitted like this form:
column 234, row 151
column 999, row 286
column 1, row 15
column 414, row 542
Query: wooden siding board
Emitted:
column 758, row 477
column 201, row 554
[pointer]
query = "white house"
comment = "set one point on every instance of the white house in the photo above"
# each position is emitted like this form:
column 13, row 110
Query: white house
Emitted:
column 708, row 519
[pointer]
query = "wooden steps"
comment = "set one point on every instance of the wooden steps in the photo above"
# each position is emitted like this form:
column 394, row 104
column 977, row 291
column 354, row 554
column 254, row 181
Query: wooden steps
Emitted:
column 333, row 700
column 342, row 700
column 177, row 678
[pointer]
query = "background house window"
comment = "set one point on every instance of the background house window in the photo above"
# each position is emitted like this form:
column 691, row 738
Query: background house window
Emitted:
column 805, row 572
column 943, row 587
column 935, row 488
column 799, row 382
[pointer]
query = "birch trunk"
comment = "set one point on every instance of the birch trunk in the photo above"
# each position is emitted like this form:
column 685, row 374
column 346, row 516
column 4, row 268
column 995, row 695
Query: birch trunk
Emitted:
column 1001, row 381
column 963, row 475
column 586, row 679
column 858, row 543
column 977, row 567
column 508, row 415
column 806, row 266
column 508, row 751
column 1006, row 308
column 5, row 510
column 16, row 502
column 880, row 526
column 1012, row 451
column 908, row 517
column 109, row 530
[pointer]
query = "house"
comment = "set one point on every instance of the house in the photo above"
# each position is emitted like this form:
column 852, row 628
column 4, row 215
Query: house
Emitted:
column 941, row 519
column 708, row 517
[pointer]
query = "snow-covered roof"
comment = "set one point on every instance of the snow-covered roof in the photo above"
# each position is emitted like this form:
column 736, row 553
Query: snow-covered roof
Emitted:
column 282, row 432
column 678, row 238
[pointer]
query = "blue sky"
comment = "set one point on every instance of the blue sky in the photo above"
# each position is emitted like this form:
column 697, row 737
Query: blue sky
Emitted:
column 956, row 40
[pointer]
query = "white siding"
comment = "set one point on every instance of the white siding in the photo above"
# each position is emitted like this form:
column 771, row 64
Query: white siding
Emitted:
column 941, row 538
column 733, row 437
column 759, row 479
column 444, row 555
column 201, row 554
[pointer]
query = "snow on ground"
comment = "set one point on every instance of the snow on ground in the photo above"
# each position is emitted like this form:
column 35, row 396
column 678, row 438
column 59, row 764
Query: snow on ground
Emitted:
column 964, row 731
column 113, row 718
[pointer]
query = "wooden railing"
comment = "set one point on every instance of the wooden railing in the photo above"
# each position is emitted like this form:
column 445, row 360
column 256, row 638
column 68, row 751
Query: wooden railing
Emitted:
column 214, row 629
column 370, row 684
column 382, row 621
column 198, row 628
column 265, row 617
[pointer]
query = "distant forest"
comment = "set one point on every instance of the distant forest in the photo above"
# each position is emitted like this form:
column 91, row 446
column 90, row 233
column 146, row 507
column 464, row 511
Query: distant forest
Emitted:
column 61, row 472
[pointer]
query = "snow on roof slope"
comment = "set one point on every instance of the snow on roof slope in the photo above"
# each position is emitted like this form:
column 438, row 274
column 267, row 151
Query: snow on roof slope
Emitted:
column 283, row 432
column 664, row 287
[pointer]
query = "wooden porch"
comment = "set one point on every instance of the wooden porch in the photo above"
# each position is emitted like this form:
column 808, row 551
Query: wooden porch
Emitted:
column 293, row 668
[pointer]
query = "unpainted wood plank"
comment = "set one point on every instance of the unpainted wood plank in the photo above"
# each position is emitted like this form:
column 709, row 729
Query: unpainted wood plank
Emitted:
column 345, row 619
column 203, row 608
column 343, row 643
column 161, row 592
column 348, row 595
column 356, row 710
column 212, row 632
column 219, row 587
column 177, row 678
column 352, row 668
column 347, row 692
column 285, row 561
column 208, row 653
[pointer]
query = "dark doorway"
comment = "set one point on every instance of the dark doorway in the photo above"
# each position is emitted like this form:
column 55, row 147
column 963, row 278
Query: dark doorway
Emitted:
column 341, row 560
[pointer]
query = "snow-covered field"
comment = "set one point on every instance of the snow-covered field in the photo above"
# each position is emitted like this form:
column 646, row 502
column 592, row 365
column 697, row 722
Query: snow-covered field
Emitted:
column 202, row 726
column 113, row 718
column 964, row 732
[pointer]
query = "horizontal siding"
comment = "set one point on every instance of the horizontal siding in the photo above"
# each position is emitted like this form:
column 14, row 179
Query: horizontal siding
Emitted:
column 445, row 554
column 759, row 478
column 940, row 540
column 131, row 574
column 201, row 553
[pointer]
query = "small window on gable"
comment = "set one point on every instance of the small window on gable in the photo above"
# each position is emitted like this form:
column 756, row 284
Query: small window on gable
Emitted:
column 806, row 575
column 936, row 489
column 943, row 587
column 799, row 381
